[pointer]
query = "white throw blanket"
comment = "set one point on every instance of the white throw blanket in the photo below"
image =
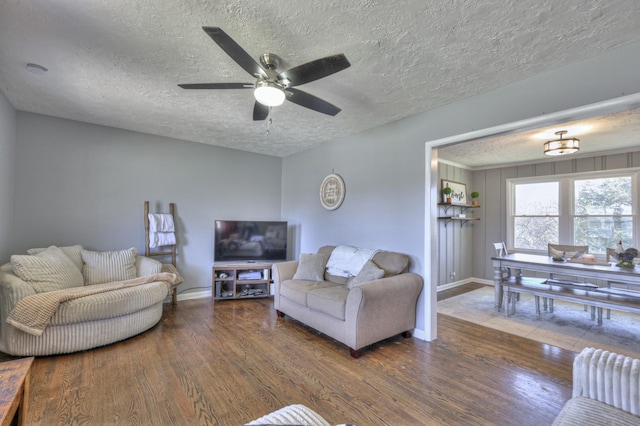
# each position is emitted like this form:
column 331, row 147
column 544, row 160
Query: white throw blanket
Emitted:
column 159, row 239
column 161, row 223
column 347, row 261
column 161, row 230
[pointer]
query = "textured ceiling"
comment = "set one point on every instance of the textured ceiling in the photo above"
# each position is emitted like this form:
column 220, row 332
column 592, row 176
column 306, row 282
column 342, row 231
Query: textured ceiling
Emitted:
column 611, row 132
column 118, row 63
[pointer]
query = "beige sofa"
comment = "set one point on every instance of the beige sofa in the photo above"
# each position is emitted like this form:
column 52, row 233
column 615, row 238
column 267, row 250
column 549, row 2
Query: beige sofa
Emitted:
column 606, row 390
column 357, row 311
column 58, row 302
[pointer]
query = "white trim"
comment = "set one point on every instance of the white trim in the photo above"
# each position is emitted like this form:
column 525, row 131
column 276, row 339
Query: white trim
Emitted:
column 622, row 103
column 194, row 295
column 430, row 229
column 455, row 284
column 549, row 159
column 454, row 164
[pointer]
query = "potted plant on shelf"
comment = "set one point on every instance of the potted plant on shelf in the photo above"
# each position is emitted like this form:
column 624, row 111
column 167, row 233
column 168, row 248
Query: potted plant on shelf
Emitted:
column 474, row 195
column 447, row 191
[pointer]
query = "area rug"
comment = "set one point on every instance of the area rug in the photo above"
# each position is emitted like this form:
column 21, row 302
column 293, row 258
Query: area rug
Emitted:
column 568, row 327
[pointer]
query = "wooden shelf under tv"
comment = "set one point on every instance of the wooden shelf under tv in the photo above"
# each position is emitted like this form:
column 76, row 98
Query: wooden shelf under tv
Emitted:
column 234, row 286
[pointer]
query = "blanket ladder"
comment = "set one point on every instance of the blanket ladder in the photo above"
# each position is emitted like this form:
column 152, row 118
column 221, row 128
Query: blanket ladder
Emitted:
column 166, row 253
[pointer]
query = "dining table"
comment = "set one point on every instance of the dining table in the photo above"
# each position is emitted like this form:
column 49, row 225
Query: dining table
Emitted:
column 588, row 271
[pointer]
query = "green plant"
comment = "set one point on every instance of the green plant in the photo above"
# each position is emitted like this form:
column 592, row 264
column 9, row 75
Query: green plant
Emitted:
column 475, row 194
column 446, row 191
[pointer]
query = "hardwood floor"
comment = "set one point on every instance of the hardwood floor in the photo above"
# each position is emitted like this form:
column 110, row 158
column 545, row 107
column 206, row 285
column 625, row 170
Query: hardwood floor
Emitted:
column 230, row 362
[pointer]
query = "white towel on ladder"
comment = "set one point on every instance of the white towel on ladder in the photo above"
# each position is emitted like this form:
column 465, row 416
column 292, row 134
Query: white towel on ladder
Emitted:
column 159, row 239
column 161, row 223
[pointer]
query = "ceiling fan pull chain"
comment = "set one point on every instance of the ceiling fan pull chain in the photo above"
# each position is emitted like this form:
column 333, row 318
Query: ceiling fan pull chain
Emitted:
column 269, row 121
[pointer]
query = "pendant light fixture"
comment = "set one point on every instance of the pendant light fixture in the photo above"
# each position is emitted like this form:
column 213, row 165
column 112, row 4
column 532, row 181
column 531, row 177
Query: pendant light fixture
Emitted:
column 561, row 145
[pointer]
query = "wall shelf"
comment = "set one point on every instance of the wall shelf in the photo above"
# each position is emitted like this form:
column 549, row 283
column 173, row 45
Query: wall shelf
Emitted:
column 448, row 219
column 462, row 207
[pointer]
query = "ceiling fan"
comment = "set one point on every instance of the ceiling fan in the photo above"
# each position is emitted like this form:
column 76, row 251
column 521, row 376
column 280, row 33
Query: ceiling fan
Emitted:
column 272, row 88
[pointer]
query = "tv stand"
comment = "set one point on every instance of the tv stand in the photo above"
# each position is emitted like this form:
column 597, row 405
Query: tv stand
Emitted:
column 241, row 280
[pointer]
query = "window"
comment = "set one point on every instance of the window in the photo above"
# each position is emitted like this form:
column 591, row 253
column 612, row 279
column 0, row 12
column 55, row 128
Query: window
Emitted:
column 536, row 218
column 603, row 213
column 595, row 209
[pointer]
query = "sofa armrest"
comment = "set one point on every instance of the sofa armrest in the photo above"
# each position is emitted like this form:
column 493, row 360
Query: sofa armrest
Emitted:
column 382, row 307
column 12, row 290
column 146, row 266
column 607, row 377
column 283, row 271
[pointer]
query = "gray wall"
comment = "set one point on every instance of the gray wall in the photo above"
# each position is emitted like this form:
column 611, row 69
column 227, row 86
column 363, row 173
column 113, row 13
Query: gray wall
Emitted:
column 7, row 168
column 493, row 228
column 384, row 204
column 78, row 183
column 455, row 239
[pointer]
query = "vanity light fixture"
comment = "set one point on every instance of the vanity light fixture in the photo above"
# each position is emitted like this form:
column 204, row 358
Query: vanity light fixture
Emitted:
column 562, row 146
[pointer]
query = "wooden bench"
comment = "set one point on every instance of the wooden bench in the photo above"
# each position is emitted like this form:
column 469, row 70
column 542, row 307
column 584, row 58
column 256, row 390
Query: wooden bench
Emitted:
column 597, row 297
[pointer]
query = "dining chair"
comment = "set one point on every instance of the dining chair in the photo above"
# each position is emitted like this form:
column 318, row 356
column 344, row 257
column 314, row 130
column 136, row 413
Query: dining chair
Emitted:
column 611, row 256
column 501, row 250
column 564, row 252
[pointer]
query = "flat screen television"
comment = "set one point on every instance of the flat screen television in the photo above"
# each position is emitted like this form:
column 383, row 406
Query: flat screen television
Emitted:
column 240, row 240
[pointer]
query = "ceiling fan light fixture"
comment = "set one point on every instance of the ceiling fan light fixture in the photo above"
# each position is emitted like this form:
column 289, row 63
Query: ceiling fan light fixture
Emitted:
column 269, row 93
column 562, row 146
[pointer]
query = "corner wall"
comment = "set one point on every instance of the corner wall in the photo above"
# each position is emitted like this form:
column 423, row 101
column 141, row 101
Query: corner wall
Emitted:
column 79, row 183
column 7, row 171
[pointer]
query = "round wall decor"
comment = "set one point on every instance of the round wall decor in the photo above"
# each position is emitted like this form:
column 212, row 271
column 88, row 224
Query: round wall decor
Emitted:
column 332, row 191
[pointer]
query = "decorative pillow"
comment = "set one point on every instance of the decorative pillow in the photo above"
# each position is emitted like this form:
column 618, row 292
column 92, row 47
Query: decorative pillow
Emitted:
column 48, row 270
column 106, row 266
column 369, row 272
column 311, row 267
column 72, row 251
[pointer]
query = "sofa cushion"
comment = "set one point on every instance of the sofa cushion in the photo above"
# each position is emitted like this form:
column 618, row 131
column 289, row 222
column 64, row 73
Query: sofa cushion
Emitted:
column 106, row 266
column 72, row 251
column 48, row 270
column 297, row 290
column 392, row 263
column 580, row 411
column 311, row 267
column 369, row 272
column 329, row 300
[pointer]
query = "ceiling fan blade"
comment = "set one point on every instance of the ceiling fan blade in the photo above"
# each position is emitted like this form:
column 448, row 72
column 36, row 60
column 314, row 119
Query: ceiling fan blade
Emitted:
column 260, row 111
column 315, row 70
column 309, row 101
column 236, row 52
column 217, row 86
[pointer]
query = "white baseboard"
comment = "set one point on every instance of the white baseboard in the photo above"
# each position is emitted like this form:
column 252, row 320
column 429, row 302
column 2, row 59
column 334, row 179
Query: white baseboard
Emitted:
column 192, row 295
column 463, row 282
column 419, row 334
